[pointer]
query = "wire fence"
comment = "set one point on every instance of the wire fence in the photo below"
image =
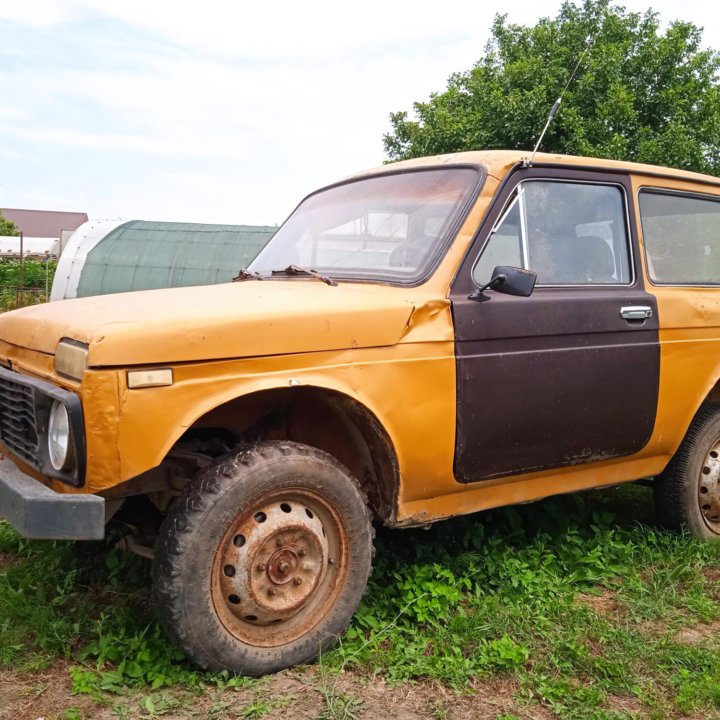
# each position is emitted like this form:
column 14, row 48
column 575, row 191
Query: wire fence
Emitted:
column 16, row 296
column 25, row 282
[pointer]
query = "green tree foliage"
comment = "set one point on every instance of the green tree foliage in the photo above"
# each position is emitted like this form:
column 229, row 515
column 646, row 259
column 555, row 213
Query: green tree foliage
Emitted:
column 7, row 227
column 639, row 93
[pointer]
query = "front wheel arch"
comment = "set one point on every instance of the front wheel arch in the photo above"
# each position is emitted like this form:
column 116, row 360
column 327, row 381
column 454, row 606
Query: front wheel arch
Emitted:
column 327, row 419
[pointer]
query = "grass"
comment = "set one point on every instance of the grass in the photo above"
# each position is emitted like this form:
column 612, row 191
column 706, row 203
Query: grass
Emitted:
column 37, row 275
column 579, row 603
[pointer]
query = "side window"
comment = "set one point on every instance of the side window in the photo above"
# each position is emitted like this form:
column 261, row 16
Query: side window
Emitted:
column 568, row 233
column 682, row 238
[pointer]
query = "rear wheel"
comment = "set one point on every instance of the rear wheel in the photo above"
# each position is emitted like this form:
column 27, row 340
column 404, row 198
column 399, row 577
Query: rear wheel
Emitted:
column 687, row 493
column 264, row 559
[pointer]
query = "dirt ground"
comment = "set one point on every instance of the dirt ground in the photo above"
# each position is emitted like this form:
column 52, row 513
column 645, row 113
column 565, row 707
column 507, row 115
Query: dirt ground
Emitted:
column 303, row 695
column 290, row 695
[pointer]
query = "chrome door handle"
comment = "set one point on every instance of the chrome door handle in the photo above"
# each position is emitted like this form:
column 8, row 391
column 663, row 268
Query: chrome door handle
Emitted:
column 636, row 312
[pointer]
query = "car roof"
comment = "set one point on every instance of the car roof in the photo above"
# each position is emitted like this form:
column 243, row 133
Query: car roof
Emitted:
column 499, row 162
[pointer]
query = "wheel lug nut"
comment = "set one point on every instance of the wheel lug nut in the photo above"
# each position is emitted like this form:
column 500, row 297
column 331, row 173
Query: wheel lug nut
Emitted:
column 262, row 567
column 298, row 581
column 272, row 591
column 331, row 561
column 281, row 542
column 302, row 552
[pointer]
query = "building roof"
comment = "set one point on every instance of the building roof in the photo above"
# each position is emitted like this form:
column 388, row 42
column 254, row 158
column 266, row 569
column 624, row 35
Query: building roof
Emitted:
column 31, row 246
column 44, row 223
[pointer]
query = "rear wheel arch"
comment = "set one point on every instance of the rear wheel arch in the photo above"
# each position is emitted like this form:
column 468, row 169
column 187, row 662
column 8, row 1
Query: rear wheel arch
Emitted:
column 693, row 406
column 687, row 492
column 713, row 395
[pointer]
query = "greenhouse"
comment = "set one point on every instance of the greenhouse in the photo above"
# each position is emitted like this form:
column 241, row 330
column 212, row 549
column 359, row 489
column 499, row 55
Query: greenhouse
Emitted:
column 112, row 256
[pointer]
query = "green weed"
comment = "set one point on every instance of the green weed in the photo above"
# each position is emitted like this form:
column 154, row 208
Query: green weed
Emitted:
column 340, row 706
column 36, row 278
column 571, row 597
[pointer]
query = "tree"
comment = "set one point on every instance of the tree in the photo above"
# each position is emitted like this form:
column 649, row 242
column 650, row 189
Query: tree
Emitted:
column 638, row 94
column 7, row 227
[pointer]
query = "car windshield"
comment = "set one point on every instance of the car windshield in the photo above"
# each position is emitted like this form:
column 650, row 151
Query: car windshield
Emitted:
column 387, row 227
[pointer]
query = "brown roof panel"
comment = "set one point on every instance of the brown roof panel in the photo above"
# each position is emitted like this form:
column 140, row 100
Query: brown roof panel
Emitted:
column 44, row 223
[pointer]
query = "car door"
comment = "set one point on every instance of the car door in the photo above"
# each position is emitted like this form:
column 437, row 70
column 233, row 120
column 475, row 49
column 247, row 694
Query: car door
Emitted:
column 570, row 374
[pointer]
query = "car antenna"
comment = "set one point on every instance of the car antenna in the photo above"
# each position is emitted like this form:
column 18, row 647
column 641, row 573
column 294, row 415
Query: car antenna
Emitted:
column 527, row 162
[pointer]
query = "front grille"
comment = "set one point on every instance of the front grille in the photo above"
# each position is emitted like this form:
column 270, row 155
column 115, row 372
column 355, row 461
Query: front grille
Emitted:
column 17, row 419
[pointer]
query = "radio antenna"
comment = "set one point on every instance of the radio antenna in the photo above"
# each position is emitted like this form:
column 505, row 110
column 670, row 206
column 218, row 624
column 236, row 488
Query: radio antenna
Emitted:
column 556, row 106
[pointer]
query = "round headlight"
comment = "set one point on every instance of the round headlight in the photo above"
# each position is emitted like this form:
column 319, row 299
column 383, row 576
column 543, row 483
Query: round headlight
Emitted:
column 59, row 445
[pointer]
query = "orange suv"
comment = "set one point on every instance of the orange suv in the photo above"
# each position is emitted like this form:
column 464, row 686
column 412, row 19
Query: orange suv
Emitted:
column 431, row 338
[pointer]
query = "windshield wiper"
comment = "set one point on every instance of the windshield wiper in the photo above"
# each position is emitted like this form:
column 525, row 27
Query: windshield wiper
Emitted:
column 244, row 274
column 299, row 270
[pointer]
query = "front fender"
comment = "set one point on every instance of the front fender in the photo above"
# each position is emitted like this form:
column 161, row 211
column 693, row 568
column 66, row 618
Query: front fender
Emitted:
column 152, row 420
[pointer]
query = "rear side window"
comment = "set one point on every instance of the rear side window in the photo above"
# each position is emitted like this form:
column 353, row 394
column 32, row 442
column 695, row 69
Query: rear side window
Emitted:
column 682, row 238
column 568, row 233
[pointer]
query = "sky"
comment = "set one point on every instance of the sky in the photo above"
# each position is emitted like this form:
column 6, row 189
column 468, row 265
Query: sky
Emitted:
column 220, row 111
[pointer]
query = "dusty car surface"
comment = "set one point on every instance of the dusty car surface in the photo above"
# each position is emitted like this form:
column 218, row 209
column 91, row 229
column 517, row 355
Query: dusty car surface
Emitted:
column 431, row 338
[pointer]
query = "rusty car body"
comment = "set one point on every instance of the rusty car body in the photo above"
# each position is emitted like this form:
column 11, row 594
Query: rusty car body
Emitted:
column 382, row 359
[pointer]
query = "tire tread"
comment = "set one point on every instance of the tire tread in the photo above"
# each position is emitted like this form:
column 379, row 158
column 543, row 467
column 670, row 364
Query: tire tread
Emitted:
column 671, row 494
column 183, row 522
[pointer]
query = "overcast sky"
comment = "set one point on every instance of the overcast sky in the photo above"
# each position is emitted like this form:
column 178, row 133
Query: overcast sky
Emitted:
column 221, row 111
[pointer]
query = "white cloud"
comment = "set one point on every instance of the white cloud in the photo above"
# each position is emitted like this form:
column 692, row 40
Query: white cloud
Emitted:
column 41, row 13
column 220, row 110
column 270, row 30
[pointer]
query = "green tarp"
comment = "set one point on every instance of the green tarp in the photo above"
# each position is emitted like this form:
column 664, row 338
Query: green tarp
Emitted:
column 143, row 255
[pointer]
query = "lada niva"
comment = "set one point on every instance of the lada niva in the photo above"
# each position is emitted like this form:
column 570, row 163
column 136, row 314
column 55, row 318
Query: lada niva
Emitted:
column 432, row 338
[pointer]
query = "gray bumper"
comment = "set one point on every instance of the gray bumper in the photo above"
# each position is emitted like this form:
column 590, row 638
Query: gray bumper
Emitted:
column 36, row 511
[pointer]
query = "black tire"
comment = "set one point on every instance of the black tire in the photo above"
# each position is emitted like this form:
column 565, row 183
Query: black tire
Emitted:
column 687, row 493
column 263, row 560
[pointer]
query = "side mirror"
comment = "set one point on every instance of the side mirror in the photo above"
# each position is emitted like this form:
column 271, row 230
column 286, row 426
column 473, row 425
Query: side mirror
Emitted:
column 508, row 280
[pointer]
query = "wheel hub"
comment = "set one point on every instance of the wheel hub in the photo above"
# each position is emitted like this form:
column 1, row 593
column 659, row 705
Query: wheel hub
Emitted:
column 709, row 488
column 272, row 563
column 281, row 566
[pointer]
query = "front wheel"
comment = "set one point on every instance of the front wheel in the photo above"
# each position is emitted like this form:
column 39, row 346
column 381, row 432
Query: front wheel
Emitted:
column 264, row 559
column 687, row 493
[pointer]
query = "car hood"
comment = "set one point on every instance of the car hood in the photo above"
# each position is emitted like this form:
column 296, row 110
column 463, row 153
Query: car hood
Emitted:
column 232, row 320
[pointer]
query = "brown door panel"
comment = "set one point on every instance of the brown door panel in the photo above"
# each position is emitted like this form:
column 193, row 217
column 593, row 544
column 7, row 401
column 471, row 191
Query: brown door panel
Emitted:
column 555, row 379
column 573, row 312
column 531, row 401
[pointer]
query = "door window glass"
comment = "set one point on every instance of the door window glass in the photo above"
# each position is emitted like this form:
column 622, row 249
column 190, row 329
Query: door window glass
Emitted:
column 682, row 238
column 568, row 233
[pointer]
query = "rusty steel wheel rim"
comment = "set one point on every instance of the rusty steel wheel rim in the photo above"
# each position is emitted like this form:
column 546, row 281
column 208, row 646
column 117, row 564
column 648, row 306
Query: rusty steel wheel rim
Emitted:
column 709, row 489
column 280, row 567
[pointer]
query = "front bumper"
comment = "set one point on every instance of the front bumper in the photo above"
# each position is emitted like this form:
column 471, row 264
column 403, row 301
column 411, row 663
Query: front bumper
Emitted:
column 36, row 511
